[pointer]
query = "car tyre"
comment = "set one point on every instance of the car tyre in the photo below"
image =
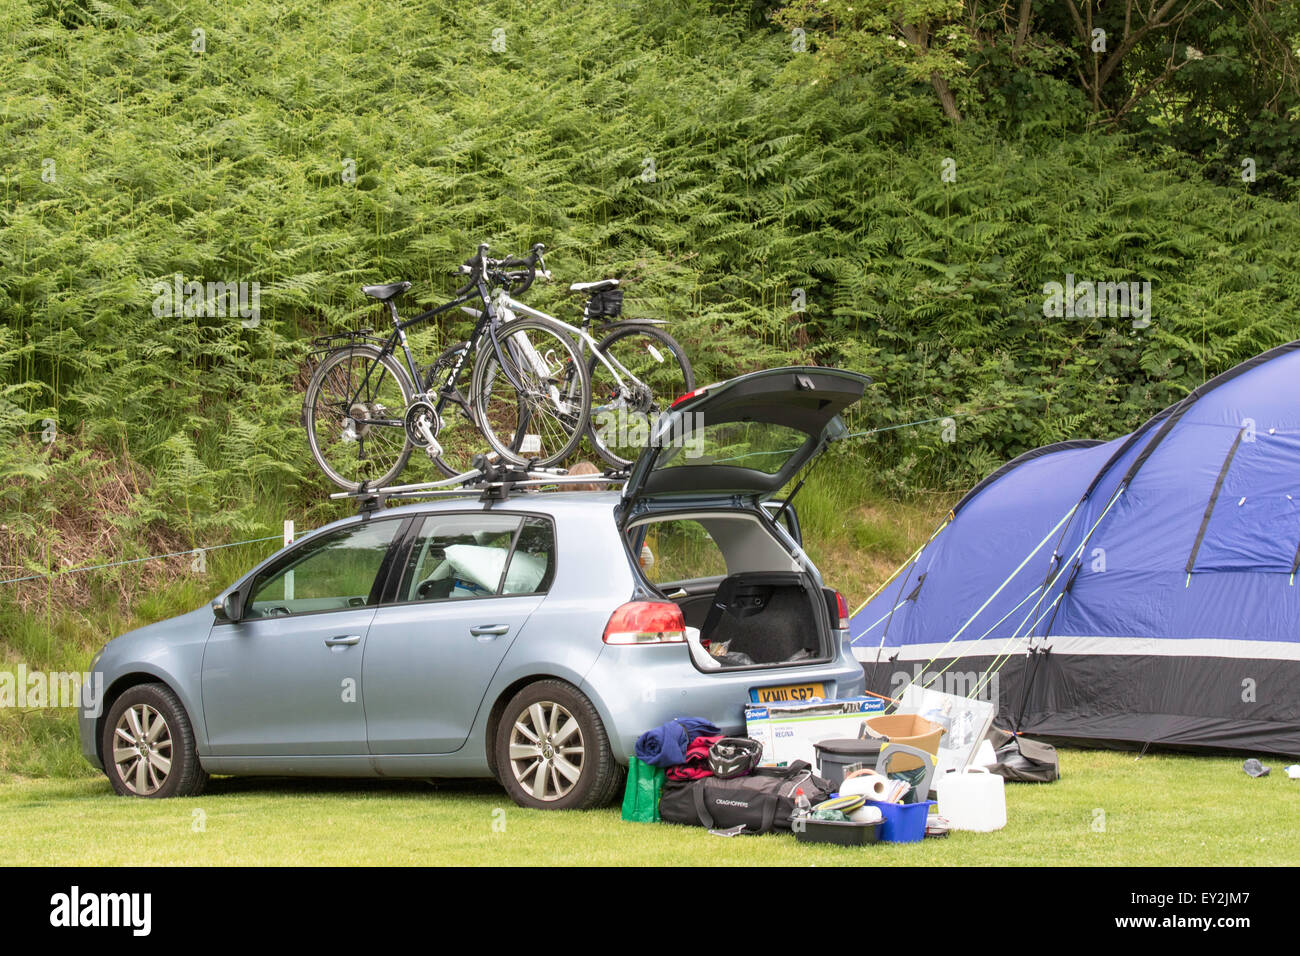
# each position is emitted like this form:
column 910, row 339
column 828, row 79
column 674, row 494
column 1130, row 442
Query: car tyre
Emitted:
column 148, row 746
column 552, row 751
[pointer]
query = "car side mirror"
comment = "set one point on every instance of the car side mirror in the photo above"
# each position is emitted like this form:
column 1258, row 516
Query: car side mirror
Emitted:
column 227, row 608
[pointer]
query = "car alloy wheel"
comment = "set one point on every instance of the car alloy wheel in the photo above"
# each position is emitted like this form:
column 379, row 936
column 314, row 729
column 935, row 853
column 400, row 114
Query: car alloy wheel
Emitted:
column 547, row 751
column 142, row 749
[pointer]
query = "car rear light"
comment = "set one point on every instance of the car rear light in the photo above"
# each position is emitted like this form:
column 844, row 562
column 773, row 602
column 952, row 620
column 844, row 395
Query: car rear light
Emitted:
column 838, row 608
column 646, row 622
column 689, row 395
column 685, row 398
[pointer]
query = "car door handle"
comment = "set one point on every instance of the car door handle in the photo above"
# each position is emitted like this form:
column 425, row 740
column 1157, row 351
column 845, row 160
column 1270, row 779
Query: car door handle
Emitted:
column 489, row 630
column 679, row 593
column 345, row 641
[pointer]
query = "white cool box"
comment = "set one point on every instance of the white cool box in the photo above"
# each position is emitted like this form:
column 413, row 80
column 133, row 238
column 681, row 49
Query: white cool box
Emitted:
column 788, row 732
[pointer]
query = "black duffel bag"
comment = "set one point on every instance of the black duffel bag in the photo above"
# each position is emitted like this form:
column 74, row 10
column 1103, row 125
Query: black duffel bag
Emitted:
column 761, row 802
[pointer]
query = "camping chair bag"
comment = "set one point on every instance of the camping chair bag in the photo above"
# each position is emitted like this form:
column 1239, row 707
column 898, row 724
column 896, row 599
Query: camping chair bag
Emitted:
column 1027, row 761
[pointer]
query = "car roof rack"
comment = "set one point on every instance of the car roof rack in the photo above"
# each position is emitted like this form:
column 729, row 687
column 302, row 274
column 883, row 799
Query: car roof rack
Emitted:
column 488, row 481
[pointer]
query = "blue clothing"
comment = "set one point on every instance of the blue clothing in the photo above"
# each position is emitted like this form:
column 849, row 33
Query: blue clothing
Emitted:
column 665, row 746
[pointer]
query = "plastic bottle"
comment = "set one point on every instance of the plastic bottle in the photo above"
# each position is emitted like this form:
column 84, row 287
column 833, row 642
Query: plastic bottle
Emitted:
column 802, row 807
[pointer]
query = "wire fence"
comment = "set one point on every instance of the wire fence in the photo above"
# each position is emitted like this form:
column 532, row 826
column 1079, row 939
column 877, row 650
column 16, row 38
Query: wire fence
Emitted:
column 152, row 557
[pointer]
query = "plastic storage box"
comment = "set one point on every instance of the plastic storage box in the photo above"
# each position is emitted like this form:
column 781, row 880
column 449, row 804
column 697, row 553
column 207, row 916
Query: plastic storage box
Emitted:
column 904, row 822
column 835, row 755
column 840, row 834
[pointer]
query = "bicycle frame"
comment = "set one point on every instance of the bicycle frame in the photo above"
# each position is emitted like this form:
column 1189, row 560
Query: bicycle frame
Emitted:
column 487, row 323
column 584, row 338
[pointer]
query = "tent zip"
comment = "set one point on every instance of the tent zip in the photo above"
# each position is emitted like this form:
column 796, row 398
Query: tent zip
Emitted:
column 1031, row 670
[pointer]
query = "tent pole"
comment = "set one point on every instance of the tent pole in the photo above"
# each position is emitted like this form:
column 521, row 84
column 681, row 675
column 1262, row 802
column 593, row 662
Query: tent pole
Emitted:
column 1020, row 567
column 901, row 590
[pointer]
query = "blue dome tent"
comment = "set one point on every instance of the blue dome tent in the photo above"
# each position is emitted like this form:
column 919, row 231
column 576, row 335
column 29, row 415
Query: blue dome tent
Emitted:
column 1133, row 592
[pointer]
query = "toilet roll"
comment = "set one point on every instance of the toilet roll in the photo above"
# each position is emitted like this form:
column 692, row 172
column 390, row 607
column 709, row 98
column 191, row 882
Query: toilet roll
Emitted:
column 866, row 814
column 868, row 783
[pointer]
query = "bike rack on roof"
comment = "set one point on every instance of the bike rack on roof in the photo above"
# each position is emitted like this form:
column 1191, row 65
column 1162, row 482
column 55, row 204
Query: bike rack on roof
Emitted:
column 488, row 481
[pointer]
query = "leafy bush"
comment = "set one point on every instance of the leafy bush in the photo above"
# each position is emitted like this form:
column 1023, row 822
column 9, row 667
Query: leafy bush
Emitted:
column 773, row 213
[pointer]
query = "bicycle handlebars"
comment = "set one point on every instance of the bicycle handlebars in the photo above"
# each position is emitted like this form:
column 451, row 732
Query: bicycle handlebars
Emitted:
column 516, row 273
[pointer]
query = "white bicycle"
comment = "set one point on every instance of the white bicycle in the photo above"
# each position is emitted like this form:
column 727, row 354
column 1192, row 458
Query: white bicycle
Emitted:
column 635, row 368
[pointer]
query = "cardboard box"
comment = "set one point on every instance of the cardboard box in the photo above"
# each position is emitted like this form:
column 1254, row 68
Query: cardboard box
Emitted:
column 788, row 732
column 965, row 720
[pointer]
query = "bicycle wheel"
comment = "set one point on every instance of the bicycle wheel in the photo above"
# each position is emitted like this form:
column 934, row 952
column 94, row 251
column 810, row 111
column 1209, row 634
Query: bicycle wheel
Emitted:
column 544, row 420
column 619, row 427
column 353, row 412
column 459, row 437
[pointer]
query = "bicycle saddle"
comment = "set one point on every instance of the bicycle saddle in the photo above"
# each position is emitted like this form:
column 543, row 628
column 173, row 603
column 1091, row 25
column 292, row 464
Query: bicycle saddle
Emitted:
column 385, row 292
column 600, row 286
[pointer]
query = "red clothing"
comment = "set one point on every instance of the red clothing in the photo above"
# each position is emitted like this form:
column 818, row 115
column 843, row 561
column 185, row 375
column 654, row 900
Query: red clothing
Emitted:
column 697, row 760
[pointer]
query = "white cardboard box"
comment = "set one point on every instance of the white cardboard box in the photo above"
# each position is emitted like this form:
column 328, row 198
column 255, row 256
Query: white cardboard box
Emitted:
column 788, row 732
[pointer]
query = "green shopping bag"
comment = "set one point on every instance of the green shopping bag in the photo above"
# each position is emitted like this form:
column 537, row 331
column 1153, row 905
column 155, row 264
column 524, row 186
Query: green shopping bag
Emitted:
column 641, row 797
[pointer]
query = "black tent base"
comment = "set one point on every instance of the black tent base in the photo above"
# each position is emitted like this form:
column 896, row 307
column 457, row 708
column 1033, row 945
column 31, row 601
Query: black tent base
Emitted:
column 1139, row 749
column 1203, row 705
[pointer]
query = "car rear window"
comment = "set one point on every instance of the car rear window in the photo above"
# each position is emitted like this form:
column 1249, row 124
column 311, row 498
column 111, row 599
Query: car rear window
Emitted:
column 761, row 446
column 679, row 550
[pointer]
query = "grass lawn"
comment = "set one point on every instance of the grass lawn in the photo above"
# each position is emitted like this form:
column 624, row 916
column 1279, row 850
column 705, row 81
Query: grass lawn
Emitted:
column 1158, row 810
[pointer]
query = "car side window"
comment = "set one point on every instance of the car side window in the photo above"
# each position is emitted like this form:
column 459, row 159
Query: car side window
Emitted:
column 457, row 556
column 532, row 566
column 326, row 573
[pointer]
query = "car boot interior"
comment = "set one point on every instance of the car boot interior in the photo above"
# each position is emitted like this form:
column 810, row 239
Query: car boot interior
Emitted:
column 744, row 596
column 762, row 617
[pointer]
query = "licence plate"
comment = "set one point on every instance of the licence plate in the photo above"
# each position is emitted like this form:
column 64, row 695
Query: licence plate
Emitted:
column 787, row 693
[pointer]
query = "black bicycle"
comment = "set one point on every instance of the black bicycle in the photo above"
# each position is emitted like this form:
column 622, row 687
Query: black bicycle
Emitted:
column 529, row 395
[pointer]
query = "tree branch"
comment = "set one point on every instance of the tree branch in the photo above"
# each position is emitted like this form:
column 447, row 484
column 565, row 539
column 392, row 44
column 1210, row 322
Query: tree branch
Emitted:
column 1148, row 87
column 918, row 36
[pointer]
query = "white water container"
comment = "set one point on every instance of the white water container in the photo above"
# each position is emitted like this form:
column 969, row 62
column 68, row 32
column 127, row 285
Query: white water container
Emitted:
column 973, row 799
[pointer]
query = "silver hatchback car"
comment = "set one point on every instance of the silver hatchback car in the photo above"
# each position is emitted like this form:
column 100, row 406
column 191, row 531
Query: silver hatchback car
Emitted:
column 529, row 636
